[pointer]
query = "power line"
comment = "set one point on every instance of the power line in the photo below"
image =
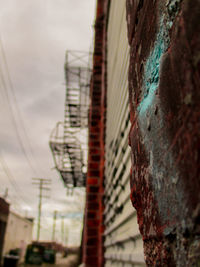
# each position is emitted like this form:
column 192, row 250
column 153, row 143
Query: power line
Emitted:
column 17, row 109
column 11, row 179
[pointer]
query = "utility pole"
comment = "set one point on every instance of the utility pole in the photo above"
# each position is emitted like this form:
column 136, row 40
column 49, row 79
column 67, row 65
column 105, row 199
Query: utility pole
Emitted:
column 5, row 194
column 62, row 229
column 66, row 235
column 54, row 225
column 40, row 182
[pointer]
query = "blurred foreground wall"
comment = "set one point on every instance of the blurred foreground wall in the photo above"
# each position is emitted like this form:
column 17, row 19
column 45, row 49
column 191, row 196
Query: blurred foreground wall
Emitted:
column 153, row 85
column 164, row 83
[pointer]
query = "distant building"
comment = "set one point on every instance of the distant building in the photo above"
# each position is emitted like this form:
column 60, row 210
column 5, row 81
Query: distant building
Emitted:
column 4, row 211
column 18, row 234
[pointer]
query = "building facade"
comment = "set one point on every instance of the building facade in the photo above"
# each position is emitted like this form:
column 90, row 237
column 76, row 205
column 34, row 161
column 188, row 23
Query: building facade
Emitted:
column 4, row 211
column 123, row 244
column 18, row 234
column 145, row 94
column 112, row 235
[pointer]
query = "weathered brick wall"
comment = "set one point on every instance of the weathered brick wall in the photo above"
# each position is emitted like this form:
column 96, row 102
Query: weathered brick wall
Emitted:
column 164, row 89
column 93, row 227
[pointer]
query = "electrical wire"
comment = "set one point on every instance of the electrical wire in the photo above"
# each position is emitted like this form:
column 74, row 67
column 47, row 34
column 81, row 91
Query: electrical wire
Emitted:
column 14, row 121
column 16, row 128
column 12, row 180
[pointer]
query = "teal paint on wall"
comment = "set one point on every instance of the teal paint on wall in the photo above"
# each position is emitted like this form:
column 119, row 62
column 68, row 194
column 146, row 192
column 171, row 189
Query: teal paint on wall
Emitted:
column 151, row 71
column 152, row 66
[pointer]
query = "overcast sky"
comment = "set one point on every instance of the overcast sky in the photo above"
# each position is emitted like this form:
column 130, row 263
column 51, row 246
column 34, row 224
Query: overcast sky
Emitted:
column 34, row 37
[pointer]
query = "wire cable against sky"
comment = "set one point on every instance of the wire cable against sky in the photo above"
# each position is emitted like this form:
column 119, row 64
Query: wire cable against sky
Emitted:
column 12, row 180
column 17, row 113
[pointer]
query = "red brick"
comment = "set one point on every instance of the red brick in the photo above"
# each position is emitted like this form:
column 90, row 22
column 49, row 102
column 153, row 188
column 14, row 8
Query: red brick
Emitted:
column 92, row 189
column 92, row 206
column 93, row 173
column 92, row 222
column 91, row 251
column 95, row 157
column 92, row 241
column 92, row 215
column 95, row 129
column 93, row 232
column 94, row 143
column 94, row 151
column 92, row 197
column 93, row 165
column 93, row 244
column 92, row 181
column 91, row 261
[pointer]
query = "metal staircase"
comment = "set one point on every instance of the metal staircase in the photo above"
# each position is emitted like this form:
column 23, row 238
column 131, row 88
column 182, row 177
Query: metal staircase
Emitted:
column 68, row 139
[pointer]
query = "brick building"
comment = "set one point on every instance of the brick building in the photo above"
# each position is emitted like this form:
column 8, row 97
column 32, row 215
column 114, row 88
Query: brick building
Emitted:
column 4, row 212
column 18, row 234
column 146, row 79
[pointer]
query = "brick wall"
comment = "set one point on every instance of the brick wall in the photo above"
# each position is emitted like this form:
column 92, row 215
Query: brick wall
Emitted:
column 4, row 211
column 164, row 83
column 93, row 226
column 4, row 208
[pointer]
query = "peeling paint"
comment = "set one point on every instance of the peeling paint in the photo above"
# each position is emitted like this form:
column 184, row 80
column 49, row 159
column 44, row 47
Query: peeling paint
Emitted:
column 151, row 72
column 164, row 100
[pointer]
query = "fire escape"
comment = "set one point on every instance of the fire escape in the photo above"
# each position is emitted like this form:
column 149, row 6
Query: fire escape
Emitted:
column 68, row 140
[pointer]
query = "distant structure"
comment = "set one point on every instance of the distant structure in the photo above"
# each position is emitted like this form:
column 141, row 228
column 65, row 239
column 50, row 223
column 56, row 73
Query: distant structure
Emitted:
column 4, row 212
column 18, row 234
column 68, row 141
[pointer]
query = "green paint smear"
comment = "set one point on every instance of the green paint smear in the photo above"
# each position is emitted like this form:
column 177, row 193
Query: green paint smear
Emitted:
column 152, row 69
column 152, row 66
